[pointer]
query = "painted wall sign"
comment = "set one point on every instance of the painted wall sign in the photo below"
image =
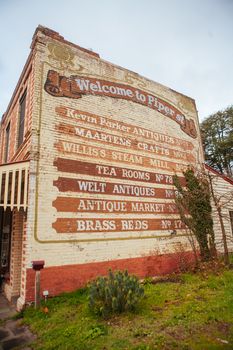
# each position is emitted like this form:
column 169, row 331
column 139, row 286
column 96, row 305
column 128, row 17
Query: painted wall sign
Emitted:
column 109, row 166
column 124, row 142
column 88, row 225
column 107, row 171
column 90, row 205
column 108, row 148
column 85, row 150
column 65, row 184
column 111, row 124
column 76, row 86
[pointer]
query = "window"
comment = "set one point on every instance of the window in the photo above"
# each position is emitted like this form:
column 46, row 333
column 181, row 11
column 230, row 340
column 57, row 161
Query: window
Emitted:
column 231, row 220
column 7, row 139
column 22, row 109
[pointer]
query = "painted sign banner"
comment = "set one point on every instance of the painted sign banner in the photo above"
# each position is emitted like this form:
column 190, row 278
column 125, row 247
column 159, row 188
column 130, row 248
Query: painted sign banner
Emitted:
column 117, row 156
column 113, row 189
column 76, row 86
column 86, row 118
column 103, row 170
column 90, row 205
column 124, row 142
column 89, row 225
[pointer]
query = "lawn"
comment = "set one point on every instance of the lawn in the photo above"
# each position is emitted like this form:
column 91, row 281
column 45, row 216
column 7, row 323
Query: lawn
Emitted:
column 191, row 311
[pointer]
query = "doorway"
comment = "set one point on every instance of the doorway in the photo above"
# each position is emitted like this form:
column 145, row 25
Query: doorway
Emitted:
column 5, row 242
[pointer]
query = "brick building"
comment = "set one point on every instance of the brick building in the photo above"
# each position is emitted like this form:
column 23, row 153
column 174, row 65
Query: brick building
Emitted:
column 88, row 150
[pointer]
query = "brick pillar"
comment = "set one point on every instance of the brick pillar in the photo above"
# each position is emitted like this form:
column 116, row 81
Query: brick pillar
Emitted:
column 24, row 256
column 16, row 254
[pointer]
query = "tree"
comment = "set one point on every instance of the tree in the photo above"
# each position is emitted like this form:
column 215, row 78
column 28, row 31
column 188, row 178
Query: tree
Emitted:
column 217, row 137
column 193, row 203
column 220, row 203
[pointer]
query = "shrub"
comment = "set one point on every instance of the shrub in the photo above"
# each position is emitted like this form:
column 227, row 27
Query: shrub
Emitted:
column 115, row 293
column 193, row 202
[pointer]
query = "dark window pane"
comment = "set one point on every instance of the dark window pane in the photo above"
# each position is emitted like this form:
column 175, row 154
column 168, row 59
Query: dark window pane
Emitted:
column 22, row 109
column 7, row 143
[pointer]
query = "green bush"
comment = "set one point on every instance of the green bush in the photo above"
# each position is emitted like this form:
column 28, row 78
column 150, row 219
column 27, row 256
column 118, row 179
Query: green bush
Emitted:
column 115, row 293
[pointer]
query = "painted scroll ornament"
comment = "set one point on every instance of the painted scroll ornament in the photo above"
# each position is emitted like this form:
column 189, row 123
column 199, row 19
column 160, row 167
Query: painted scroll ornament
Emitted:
column 77, row 86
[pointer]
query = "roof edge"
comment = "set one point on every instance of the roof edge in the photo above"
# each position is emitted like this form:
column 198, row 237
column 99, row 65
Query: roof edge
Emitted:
column 25, row 67
column 56, row 36
column 224, row 177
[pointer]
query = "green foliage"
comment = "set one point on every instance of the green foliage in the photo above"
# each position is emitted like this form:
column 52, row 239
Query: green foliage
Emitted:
column 193, row 313
column 193, row 203
column 217, row 137
column 115, row 293
column 95, row 332
column 142, row 347
column 148, row 280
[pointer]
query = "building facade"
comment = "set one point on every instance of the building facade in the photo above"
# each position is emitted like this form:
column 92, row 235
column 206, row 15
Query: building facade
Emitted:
column 88, row 150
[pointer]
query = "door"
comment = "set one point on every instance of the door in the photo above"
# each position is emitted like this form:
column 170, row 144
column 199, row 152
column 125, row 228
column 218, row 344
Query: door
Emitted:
column 5, row 240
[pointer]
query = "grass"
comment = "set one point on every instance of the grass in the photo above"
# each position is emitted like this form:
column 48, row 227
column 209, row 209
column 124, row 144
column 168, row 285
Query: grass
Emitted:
column 195, row 312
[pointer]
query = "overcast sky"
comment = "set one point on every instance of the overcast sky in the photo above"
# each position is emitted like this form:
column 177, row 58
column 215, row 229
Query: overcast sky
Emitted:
column 184, row 44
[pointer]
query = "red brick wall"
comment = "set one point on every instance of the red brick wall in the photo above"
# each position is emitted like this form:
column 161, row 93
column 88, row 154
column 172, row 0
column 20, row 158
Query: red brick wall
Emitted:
column 58, row 279
column 16, row 153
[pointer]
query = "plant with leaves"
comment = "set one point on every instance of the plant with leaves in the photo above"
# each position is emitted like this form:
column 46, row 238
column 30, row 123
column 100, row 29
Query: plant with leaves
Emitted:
column 217, row 137
column 221, row 201
column 193, row 203
column 115, row 293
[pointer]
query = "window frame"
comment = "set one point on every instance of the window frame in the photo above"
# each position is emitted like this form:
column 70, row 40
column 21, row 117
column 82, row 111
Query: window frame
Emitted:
column 21, row 119
column 7, row 142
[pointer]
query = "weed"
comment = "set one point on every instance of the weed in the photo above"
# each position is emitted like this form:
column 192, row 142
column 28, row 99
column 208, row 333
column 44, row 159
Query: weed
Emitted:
column 140, row 333
column 95, row 332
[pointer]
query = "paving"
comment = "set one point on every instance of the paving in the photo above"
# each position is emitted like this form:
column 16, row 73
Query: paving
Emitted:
column 13, row 335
